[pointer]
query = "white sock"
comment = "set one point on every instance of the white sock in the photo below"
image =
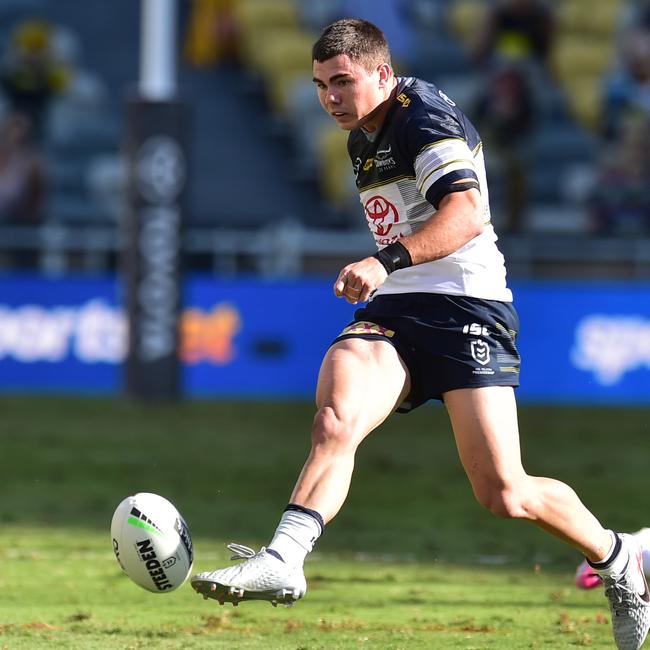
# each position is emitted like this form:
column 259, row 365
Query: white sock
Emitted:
column 613, row 565
column 295, row 536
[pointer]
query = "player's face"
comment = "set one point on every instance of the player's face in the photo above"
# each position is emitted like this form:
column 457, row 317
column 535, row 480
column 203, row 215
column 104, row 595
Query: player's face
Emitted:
column 349, row 92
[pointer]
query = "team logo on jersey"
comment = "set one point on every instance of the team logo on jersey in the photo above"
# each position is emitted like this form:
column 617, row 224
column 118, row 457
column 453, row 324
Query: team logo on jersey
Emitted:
column 381, row 215
column 480, row 351
column 366, row 327
column 384, row 159
column 382, row 154
column 403, row 100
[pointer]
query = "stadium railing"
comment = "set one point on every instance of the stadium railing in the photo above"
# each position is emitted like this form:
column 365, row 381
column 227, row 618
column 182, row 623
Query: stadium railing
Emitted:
column 288, row 249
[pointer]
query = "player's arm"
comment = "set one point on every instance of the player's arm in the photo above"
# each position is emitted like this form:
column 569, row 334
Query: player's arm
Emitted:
column 458, row 220
column 358, row 280
column 445, row 176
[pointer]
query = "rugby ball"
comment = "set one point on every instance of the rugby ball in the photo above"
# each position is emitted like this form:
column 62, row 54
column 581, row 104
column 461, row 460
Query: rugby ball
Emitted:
column 151, row 542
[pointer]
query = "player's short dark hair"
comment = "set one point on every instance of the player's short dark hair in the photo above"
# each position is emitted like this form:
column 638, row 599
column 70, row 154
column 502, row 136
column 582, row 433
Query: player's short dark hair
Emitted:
column 359, row 39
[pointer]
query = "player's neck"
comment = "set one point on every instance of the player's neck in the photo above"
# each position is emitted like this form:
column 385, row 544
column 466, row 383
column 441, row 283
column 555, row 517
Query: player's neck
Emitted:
column 377, row 116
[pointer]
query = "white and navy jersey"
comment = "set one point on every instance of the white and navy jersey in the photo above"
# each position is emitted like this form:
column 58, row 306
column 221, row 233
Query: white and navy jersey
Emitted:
column 404, row 170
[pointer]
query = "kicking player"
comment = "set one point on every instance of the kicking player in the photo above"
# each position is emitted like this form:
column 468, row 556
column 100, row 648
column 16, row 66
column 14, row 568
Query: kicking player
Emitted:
column 439, row 324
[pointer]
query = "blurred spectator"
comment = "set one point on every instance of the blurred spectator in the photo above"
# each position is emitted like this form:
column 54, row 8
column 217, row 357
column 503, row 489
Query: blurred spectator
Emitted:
column 517, row 30
column 627, row 88
column 505, row 115
column 212, row 33
column 636, row 16
column 30, row 74
column 22, row 173
column 620, row 201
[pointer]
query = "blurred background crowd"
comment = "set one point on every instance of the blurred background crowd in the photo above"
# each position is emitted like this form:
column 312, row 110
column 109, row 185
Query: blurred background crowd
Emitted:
column 559, row 89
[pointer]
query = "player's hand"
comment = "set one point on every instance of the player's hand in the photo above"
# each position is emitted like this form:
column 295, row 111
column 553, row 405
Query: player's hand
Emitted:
column 358, row 280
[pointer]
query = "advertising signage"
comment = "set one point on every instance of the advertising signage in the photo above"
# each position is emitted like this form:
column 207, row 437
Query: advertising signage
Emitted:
column 254, row 339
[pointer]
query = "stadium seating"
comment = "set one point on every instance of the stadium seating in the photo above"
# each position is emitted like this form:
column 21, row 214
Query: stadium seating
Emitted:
column 584, row 51
column 259, row 121
column 281, row 63
column 335, row 168
column 466, row 20
column 254, row 16
column 594, row 20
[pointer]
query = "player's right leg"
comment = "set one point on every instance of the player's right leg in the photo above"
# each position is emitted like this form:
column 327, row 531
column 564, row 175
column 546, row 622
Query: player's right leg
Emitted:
column 361, row 382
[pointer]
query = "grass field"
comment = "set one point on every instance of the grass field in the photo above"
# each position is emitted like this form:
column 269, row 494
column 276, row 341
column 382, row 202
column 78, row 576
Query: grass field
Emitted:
column 411, row 562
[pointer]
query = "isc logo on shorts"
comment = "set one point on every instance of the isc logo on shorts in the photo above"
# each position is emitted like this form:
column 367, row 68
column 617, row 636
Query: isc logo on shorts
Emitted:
column 366, row 327
column 476, row 329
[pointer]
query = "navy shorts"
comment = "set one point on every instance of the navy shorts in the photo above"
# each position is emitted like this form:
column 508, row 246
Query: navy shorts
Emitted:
column 447, row 342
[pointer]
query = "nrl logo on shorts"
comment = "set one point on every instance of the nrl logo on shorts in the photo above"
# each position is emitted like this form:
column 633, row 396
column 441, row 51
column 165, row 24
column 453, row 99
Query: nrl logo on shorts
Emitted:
column 480, row 352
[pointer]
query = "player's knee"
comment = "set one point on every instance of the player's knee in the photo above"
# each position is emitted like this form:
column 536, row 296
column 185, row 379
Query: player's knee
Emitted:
column 503, row 500
column 331, row 429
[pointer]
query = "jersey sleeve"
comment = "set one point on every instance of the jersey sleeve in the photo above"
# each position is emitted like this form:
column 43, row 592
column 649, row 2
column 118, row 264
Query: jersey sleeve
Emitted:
column 440, row 152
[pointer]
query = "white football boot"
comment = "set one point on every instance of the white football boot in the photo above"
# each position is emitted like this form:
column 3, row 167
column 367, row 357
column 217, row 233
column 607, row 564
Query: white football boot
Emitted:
column 643, row 539
column 629, row 599
column 261, row 577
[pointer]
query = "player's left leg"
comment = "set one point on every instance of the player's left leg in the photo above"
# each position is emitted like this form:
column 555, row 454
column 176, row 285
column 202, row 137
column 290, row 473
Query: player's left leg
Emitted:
column 586, row 577
column 485, row 425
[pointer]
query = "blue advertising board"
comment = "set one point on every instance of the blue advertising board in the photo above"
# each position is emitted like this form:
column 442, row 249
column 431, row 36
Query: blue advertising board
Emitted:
column 245, row 337
column 584, row 342
column 263, row 339
column 63, row 335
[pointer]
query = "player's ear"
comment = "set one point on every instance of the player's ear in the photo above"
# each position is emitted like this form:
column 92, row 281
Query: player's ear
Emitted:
column 385, row 73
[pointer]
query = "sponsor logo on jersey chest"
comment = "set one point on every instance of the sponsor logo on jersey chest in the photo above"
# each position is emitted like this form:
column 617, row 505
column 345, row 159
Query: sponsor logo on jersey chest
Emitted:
column 381, row 215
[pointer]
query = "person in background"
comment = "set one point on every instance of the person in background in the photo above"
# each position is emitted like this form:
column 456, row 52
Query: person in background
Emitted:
column 521, row 30
column 514, row 50
column 505, row 114
column 627, row 88
column 619, row 203
column 31, row 76
column 212, row 33
column 23, row 182
column 22, row 173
